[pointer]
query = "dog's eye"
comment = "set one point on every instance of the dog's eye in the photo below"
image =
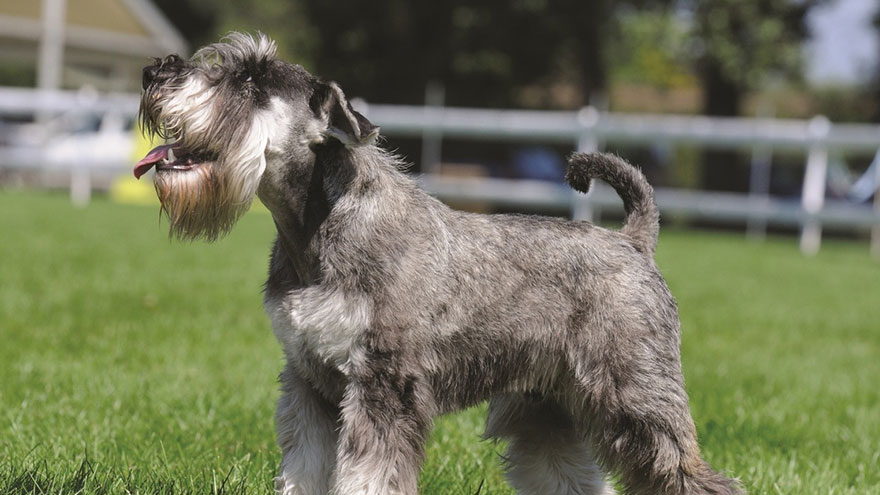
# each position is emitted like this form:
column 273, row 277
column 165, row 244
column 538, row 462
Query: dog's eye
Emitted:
column 245, row 77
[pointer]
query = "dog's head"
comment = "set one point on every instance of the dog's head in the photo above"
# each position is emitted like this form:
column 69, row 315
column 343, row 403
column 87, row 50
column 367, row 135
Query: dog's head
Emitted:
column 229, row 114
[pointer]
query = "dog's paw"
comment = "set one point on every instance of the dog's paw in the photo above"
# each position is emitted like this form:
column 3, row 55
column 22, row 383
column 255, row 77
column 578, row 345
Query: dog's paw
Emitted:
column 284, row 486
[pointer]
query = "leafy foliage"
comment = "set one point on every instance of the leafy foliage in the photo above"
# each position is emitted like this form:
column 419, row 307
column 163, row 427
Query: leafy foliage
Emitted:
column 389, row 50
column 515, row 53
column 651, row 48
column 744, row 44
column 752, row 41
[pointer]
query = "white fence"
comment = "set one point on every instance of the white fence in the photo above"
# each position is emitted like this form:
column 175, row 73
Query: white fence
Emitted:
column 585, row 130
column 78, row 133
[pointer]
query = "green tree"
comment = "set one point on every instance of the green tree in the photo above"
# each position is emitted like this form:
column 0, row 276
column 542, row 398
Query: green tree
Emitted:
column 195, row 20
column 742, row 45
column 205, row 21
column 484, row 52
column 652, row 49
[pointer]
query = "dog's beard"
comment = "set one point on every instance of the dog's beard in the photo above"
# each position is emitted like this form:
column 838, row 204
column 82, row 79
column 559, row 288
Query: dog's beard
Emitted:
column 205, row 195
column 204, row 201
column 201, row 203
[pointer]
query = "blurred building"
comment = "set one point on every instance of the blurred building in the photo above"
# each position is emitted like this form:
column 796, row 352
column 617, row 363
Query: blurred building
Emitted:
column 75, row 43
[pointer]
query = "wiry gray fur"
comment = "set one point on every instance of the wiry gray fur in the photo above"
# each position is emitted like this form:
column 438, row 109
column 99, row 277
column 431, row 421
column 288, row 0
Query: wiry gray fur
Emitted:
column 393, row 308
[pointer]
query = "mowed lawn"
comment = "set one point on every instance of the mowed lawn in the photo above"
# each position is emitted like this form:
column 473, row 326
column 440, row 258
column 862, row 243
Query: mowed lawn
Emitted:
column 133, row 364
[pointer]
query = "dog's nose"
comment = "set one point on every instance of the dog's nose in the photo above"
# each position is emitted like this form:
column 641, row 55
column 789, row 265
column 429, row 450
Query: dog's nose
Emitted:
column 161, row 69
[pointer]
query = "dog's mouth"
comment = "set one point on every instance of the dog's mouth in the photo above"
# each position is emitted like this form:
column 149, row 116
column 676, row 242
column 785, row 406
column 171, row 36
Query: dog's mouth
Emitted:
column 170, row 157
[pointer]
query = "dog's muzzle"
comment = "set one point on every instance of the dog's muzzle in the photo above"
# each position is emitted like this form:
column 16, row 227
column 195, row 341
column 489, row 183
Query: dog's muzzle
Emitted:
column 161, row 70
column 170, row 157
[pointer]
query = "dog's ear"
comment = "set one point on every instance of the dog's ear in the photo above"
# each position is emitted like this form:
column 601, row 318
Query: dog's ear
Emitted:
column 341, row 122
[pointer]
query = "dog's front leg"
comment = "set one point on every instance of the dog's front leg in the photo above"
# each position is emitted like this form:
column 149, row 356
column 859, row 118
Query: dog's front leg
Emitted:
column 307, row 435
column 385, row 422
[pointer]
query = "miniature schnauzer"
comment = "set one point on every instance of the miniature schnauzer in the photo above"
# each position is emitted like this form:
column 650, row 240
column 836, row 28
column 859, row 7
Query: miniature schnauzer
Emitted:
column 392, row 308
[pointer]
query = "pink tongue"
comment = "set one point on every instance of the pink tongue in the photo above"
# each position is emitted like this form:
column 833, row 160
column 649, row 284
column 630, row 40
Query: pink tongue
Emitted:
column 156, row 155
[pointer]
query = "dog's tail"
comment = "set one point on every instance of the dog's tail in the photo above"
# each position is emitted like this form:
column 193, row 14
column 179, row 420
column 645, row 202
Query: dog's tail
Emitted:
column 642, row 221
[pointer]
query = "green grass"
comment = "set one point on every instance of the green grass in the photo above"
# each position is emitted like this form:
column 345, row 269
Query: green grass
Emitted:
column 133, row 364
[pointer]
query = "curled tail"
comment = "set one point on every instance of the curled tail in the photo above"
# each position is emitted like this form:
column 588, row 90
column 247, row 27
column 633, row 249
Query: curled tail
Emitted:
column 642, row 222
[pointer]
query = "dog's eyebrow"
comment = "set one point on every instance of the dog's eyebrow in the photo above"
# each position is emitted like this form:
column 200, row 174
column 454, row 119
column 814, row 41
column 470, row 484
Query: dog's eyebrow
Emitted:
column 239, row 48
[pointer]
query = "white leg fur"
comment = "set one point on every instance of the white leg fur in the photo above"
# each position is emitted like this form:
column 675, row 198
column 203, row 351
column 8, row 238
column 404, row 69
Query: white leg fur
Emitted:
column 369, row 473
column 307, row 438
column 545, row 455
column 538, row 466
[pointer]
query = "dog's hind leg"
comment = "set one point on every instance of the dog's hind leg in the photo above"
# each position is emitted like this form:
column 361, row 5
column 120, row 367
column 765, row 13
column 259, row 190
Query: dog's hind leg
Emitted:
column 307, row 436
column 633, row 406
column 545, row 455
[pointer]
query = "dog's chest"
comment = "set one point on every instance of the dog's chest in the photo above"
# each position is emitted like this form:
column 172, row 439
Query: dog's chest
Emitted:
column 319, row 322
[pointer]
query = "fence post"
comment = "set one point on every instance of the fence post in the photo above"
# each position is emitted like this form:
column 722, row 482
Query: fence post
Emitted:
column 875, row 228
column 80, row 184
column 50, row 58
column 432, row 139
column 587, row 118
column 759, row 191
column 815, row 177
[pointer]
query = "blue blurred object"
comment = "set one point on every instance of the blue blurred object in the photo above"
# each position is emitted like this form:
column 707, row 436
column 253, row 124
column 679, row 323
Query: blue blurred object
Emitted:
column 538, row 163
column 866, row 185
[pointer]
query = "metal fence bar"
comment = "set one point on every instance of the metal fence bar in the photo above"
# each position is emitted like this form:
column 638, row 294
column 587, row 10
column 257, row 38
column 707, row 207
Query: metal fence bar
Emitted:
column 432, row 140
column 26, row 102
column 563, row 127
column 759, row 189
column 80, row 185
column 815, row 181
column 587, row 142
column 730, row 207
column 875, row 229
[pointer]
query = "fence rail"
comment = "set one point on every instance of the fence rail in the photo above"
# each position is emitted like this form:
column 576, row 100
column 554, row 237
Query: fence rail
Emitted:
column 568, row 127
column 719, row 206
column 586, row 130
column 25, row 102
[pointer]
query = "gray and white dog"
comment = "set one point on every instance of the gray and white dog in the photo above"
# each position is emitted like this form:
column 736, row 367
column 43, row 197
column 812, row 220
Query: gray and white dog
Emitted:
column 392, row 308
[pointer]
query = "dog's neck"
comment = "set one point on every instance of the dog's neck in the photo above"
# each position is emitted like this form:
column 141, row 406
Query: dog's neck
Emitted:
column 302, row 198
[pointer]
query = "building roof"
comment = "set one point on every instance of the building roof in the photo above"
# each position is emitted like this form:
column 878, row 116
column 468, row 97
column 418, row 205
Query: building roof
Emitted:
column 128, row 27
column 75, row 43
